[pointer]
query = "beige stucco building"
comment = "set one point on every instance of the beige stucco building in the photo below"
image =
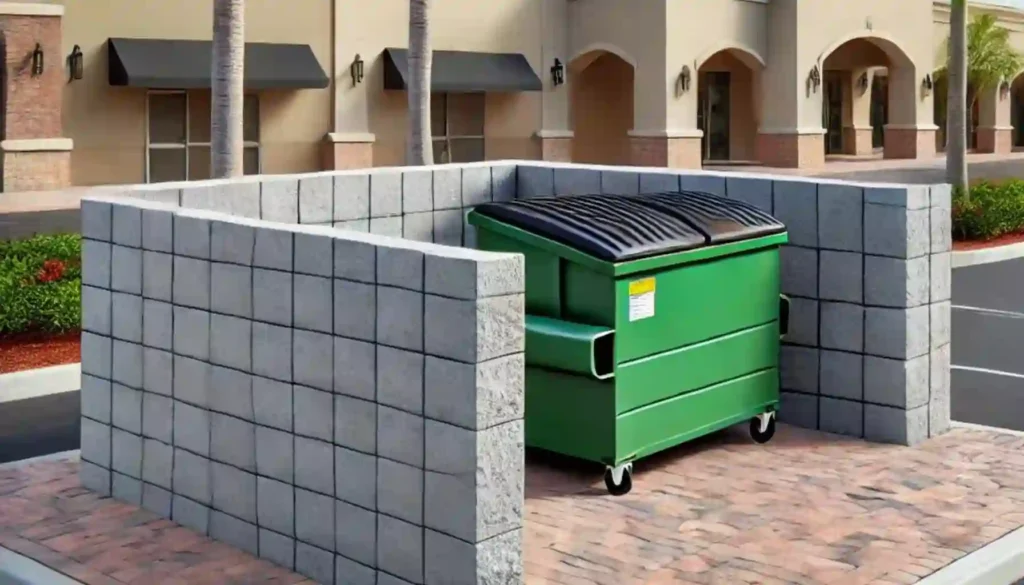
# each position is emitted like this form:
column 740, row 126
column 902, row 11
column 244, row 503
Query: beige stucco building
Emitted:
column 122, row 97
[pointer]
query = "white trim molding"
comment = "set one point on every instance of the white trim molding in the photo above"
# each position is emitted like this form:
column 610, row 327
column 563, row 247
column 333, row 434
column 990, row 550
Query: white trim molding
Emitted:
column 929, row 127
column 554, row 134
column 351, row 137
column 30, row 9
column 799, row 131
column 671, row 133
column 38, row 145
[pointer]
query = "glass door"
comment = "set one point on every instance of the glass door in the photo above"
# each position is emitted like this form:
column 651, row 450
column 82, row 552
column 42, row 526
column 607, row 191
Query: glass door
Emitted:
column 879, row 110
column 713, row 114
column 832, row 112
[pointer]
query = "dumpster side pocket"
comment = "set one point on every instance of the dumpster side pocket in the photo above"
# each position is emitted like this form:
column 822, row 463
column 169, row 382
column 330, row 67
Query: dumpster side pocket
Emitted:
column 783, row 316
column 570, row 347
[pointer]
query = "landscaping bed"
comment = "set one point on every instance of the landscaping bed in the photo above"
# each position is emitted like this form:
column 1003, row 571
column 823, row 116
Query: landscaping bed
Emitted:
column 40, row 302
column 991, row 214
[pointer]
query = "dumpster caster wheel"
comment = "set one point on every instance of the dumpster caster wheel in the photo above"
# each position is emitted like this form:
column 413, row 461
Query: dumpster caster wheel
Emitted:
column 762, row 427
column 619, row 480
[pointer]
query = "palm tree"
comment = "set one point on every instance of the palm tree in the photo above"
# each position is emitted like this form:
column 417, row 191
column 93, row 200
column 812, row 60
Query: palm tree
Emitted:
column 956, row 102
column 419, row 143
column 228, row 97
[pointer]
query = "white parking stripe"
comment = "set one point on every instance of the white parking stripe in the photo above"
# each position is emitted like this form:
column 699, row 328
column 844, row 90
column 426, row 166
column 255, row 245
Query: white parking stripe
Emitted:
column 988, row 371
column 997, row 312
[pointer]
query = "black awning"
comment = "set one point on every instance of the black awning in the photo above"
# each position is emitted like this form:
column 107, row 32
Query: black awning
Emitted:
column 179, row 64
column 462, row 71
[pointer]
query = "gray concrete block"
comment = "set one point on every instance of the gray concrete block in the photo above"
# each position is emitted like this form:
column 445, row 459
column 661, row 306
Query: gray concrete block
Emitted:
column 314, row 253
column 939, row 378
column 355, row 533
column 191, row 235
column 313, row 303
column 355, row 259
column 96, row 355
column 126, row 226
column 157, row 463
column 315, row 563
column 400, row 379
column 940, row 324
column 702, row 182
column 803, row 322
column 234, row 491
column 799, row 271
column 235, row 532
column 476, row 185
column 620, row 182
column 272, row 296
column 896, row 232
column 275, row 454
column 534, row 181
column 942, row 195
column 96, row 310
column 95, row 393
column 355, row 368
column 798, row 368
column 276, row 505
column 277, row 548
column 906, row 196
column 841, row 276
column 232, row 242
column 841, row 417
column 314, row 465
column 272, row 403
column 156, row 276
column 475, row 396
column 231, row 392
column 385, row 193
column 899, row 383
column 400, row 318
column 941, row 230
column 896, row 282
column 400, row 266
column 840, row 209
column 279, row 199
column 417, row 190
column 896, row 333
column 316, row 198
column 354, row 225
column 157, row 500
column 387, row 226
column 351, row 196
column 95, row 442
column 97, row 219
column 577, row 180
column 231, row 342
column 842, row 375
column 231, row 289
column 842, row 326
column 349, row 572
column 418, row 227
column 96, row 258
column 272, row 351
column 192, row 285
column 941, row 276
column 498, row 560
column 191, row 381
column 192, row 428
column 939, row 404
column 355, row 477
column 157, row 416
column 470, row 234
column 313, row 360
column 126, row 270
column 755, row 191
column 400, row 491
column 126, row 408
column 314, row 519
column 190, row 514
column 656, row 182
column 233, row 441
column 126, row 489
column 125, row 453
column 447, row 187
column 400, row 436
column 885, row 424
column 274, row 249
column 400, row 548
column 355, row 424
column 192, row 333
column 504, row 181
column 192, row 477
column 94, row 478
column 158, row 230
column 239, row 197
column 465, row 274
column 158, row 324
column 799, row 410
column 474, row 483
column 126, row 363
column 448, row 227
column 474, row 331
column 157, row 371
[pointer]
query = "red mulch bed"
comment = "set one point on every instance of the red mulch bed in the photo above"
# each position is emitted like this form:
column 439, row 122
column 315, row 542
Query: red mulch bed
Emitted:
column 994, row 242
column 27, row 351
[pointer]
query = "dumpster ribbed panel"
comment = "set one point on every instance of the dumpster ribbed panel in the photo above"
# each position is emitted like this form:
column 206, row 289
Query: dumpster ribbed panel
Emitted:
column 721, row 220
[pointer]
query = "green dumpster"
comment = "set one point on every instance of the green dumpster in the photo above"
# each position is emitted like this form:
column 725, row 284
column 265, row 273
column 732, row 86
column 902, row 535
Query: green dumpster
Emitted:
column 651, row 320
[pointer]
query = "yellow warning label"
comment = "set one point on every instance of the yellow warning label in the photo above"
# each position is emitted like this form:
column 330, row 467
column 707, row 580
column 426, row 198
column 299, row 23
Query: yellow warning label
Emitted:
column 640, row 287
column 641, row 299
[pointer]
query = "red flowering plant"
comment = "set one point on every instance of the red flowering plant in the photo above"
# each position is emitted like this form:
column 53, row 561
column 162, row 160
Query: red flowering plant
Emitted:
column 40, row 284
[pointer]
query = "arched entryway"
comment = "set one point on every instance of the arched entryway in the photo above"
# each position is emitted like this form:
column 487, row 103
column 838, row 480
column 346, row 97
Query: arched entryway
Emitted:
column 1017, row 112
column 602, row 106
column 729, row 104
column 868, row 87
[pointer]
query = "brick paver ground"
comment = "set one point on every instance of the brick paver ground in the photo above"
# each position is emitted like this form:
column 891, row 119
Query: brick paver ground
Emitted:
column 808, row 508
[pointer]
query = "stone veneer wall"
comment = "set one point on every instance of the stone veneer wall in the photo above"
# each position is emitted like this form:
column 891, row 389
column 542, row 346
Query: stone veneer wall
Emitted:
column 344, row 404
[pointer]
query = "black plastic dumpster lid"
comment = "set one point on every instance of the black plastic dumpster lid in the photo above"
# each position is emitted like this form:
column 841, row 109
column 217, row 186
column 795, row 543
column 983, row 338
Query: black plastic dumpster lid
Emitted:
column 621, row 228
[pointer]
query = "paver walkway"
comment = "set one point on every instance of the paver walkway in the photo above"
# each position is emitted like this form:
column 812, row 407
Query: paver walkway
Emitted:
column 808, row 508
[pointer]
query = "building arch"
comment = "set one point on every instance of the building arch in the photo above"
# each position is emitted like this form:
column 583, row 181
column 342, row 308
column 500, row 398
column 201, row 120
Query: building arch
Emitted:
column 744, row 53
column 601, row 104
column 593, row 51
column 883, row 40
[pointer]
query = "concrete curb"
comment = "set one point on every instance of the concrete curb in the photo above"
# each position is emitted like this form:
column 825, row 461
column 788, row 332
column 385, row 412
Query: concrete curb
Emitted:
column 40, row 382
column 987, row 255
column 998, row 563
column 62, row 456
column 975, row 427
column 25, row 570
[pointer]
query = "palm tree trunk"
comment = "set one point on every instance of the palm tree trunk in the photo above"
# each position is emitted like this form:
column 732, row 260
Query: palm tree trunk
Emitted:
column 228, row 97
column 956, row 104
column 419, row 144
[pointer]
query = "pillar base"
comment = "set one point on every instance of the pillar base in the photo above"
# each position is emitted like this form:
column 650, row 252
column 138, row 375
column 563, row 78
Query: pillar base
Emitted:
column 348, row 151
column 791, row 151
column 857, row 140
column 674, row 152
column 909, row 142
column 995, row 140
column 36, row 164
column 555, row 145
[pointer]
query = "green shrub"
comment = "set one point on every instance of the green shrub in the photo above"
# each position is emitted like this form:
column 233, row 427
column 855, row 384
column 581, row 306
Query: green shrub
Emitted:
column 993, row 210
column 40, row 284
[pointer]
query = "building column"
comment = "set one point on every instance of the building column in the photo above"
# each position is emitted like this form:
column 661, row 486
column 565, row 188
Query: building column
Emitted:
column 554, row 138
column 350, row 143
column 554, row 145
column 674, row 150
column 857, row 112
column 348, row 151
column 995, row 131
column 910, row 133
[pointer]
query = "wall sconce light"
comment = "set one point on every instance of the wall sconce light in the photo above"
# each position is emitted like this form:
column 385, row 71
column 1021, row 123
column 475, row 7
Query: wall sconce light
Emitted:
column 557, row 73
column 37, row 60
column 814, row 78
column 928, row 84
column 75, row 63
column 356, row 70
column 863, row 82
column 684, row 79
column 1004, row 89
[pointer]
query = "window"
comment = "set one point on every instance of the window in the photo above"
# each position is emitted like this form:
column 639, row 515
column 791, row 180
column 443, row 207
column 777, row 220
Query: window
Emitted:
column 457, row 127
column 178, row 136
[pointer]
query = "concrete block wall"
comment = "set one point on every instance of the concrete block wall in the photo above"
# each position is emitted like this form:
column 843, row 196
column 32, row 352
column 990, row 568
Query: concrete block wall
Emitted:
column 345, row 404
column 868, row 271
